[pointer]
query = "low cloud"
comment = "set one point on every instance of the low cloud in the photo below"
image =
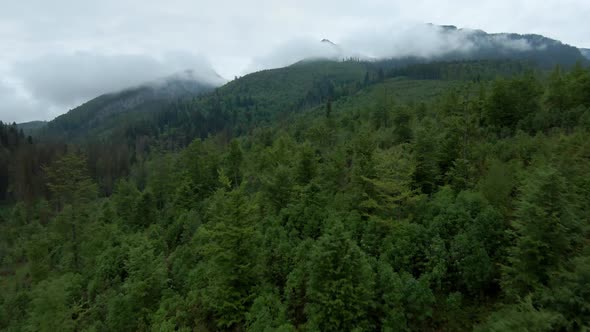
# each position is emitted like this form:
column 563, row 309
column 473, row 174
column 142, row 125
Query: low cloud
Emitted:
column 49, row 85
column 16, row 106
column 503, row 42
column 412, row 40
column 418, row 40
column 294, row 51
column 72, row 78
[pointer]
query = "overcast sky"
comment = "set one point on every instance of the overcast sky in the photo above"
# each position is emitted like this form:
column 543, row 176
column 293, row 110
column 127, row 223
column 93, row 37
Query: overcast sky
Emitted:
column 57, row 54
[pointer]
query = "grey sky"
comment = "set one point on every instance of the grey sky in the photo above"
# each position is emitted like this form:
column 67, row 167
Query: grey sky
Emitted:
column 57, row 54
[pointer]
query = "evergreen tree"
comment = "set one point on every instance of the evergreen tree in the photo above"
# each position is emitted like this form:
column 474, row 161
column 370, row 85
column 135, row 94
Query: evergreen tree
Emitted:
column 234, row 162
column 225, row 279
column 340, row 286
column 69, row 182
column 546, row 229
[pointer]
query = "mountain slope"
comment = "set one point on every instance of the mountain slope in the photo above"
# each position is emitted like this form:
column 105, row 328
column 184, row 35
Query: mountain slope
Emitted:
column 31, row 127
column 198, row 111
column 101, row 114
column 286, row 87
column 543, row 51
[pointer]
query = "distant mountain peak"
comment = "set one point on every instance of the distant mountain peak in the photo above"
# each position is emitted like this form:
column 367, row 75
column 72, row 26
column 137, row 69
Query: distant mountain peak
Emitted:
column 446, row 27
column 328, row 41
column 449, row 27
column 98, row 115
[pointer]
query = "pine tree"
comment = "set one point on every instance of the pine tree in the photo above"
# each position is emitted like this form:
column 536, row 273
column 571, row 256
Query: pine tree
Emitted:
column 546, row 231
column 224, row 280
column 340, row 287
column 234, row 163
column 72, row 191
column 69, row 182
column 307, row 165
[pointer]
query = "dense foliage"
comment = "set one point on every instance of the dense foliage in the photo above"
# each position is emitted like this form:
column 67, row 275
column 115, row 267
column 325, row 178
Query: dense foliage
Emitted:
column 393, row 205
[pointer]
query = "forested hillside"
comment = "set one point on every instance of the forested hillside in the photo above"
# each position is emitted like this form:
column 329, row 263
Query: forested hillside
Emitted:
column 99, row 117
column 327, row 196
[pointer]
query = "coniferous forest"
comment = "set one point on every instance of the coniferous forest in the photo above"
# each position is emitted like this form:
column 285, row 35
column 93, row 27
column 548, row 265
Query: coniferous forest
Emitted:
column 324, row 196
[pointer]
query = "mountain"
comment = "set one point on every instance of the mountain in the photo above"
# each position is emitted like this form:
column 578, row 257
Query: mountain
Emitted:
column 192, row 109
column 544, row 52
column 101, row 114
column 188, row 105
column 31, row 127
column 426, row 43
column 585, row 52
column 469, row 44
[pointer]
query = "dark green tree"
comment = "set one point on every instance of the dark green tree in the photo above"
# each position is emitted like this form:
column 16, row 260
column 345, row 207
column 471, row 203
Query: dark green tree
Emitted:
column 225, row 279
column 340, row 287
column 546, row 231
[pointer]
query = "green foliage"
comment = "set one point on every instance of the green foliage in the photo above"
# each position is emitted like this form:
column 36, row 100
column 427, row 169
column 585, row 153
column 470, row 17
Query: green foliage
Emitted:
column 124, row 198
column 340, row 286
column 497, row 184
column 546, row 229
column 268, row 314
column 306, row 166
column 144, row 212
column 512, row 101
column 69, row 182
column 406, row 303
column 225, row 278
column 568, row 294
column 521, row 317
column 56, row 305
column 463, row 205
column 234, row 163
column 427, row 171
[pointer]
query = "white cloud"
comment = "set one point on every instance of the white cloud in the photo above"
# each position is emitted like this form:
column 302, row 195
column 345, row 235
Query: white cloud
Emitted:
column 63, row 81
column 72, row 78
column 127, row 36
column 15, row 106
column 402, row 40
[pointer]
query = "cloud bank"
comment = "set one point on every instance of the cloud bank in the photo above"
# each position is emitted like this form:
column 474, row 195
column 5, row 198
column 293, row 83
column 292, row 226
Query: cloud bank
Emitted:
column 16, row 105
column 411, row 40
column 53, row 83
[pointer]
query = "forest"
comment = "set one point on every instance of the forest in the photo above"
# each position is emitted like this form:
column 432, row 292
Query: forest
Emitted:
column 451, row 196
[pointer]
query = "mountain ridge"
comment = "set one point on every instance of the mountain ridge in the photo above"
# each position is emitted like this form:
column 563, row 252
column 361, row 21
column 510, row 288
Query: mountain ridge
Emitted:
column 112, row 107
column 134, row 104
column 450, row 43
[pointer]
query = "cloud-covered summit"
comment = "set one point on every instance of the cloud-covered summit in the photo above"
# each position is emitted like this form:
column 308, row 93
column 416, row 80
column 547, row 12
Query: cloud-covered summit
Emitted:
column 236, row 36
column 426, row 41
column 68, row 80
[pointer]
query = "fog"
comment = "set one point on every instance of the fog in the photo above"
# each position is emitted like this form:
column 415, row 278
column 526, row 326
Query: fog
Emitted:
column 71, row 79
column 16, row 104
column 402, row 40
column 57, row 54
